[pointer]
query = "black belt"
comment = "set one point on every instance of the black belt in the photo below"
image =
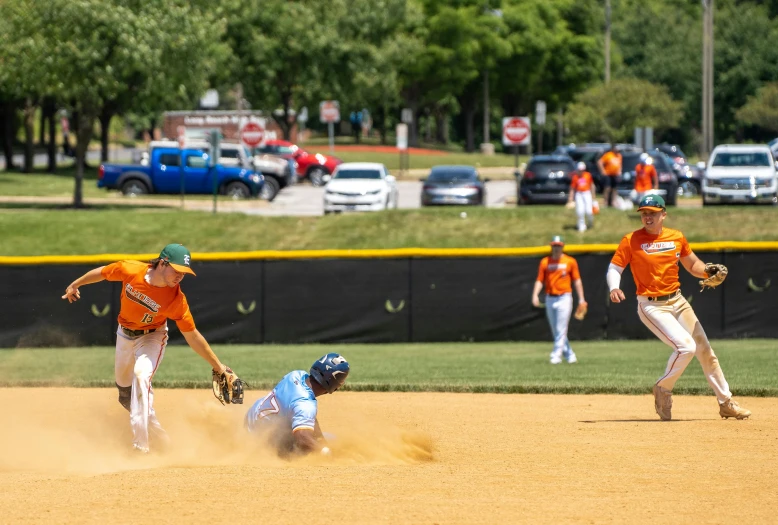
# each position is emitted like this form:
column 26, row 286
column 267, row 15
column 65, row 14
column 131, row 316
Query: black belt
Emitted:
column 555, row 294
column 135, row 333
column 664, row 297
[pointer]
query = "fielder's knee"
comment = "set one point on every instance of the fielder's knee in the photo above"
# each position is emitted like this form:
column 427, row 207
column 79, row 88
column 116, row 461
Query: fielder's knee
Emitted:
column 143, row 369
column 125, row 396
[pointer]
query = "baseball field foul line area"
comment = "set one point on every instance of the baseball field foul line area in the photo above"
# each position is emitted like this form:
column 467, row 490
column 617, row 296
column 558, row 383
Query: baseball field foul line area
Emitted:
column 397, row 458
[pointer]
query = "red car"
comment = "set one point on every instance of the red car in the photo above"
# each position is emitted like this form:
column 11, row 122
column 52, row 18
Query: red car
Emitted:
column 312, row 165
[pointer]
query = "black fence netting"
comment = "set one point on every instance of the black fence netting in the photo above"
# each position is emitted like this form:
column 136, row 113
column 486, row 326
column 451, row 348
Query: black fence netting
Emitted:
column 379, row 300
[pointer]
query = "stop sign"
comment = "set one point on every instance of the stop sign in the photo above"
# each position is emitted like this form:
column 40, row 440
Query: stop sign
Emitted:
column 252, row 134
column 515, row 131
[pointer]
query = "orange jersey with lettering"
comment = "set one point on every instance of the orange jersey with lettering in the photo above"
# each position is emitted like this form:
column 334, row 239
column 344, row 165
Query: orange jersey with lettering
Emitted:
column 557, row 275
column 653, row 260
column 582, row 181
column 611, row 161
column 645, row 177
column 144, row 306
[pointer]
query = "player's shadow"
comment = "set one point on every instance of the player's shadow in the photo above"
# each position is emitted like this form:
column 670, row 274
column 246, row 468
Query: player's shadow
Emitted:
column 639, row 420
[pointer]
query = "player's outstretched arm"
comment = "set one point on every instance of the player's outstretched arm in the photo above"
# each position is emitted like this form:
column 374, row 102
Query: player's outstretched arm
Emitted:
column 694, row 265
column 613, row 277
column 305, row 441
column 201, row 347
column 536, row 294
column 92, row 276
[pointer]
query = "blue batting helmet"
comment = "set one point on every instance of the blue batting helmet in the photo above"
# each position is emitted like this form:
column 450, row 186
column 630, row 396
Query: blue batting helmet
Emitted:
column 330, row 371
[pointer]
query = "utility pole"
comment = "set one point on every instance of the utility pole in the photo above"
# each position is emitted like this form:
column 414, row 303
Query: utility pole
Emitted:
column 707, row 78
column 607, row 41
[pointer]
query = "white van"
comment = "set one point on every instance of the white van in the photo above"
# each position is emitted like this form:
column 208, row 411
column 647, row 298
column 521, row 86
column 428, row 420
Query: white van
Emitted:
column 741, row 173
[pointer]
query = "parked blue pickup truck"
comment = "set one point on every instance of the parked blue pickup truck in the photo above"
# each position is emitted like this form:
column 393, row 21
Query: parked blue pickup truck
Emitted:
column 163, row 175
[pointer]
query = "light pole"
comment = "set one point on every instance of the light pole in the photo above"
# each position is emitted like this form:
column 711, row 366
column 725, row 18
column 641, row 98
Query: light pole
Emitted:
column 486, row 146
column 707, row 78
column 607, row 41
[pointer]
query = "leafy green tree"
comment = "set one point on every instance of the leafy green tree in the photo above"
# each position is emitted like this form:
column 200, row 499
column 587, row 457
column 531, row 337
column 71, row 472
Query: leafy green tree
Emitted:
column 175, row 50
column 289, row 54
column 761, row 109
column 611, row 112
column 24, row 75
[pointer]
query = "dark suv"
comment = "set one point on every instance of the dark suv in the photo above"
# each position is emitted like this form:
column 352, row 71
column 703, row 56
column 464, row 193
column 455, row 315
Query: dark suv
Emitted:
column 689, row 176
column 546, row 180
column 589, row 154
column 668, row 183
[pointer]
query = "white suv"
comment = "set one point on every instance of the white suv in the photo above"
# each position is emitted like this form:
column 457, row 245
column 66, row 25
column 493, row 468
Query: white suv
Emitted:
column 741, row 173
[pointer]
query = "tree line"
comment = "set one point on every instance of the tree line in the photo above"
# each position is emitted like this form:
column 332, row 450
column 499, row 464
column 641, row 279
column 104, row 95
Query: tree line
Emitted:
column 449, row 61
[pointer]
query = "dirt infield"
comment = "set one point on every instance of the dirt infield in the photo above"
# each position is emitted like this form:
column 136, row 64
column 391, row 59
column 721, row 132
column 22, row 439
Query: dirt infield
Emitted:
column 399, row 458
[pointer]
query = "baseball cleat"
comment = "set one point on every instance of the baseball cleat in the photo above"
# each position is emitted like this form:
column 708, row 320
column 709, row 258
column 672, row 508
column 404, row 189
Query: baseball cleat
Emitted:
column 140, row 449
column 556, row 360
column 572, row 359
column 663, row 402
column 730, row 408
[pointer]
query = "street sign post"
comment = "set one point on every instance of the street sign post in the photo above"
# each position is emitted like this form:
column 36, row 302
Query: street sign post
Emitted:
column 516, row 131
column 540, row 120
column 406, row 115
column 329, row 113
column 181, row 130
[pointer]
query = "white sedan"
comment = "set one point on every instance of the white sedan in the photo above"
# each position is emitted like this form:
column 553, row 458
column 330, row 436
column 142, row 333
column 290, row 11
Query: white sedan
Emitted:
column 360, row 186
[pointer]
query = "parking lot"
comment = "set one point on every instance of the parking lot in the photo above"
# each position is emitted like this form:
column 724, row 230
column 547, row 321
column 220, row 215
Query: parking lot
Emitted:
column 304, row 199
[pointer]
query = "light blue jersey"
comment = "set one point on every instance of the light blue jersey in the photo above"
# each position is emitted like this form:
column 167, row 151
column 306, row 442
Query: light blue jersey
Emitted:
column 291, row 402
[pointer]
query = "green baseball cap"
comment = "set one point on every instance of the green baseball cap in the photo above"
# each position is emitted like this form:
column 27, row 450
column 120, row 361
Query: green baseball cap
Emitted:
column 557, row 241
column 652, row 202
column 178, row 257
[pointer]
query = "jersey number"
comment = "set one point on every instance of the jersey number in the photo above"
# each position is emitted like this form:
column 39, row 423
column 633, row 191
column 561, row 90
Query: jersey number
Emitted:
column 147, row 319
column 268, row 406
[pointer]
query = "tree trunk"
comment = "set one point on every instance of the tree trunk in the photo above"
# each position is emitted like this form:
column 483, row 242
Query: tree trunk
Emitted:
column 29, row 135
column 8, row 115
column 105, row 123
column 441, row 126
column 382, row 112
column 51, row 149
column 42, row 128
column 84, row 121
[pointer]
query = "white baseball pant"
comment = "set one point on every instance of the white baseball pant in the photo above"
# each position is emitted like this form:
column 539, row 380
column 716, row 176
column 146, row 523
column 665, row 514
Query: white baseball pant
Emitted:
column 137, row 359
column 583, row 209
column 558, row 311
column 675, row 323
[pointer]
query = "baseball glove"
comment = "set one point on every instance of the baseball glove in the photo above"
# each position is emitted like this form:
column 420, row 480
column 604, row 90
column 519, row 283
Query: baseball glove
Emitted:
column 716, row 274
column 581, row 310
column 228, row 387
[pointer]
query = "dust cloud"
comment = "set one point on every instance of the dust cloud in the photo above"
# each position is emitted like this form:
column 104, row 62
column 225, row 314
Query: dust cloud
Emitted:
column 85, row 431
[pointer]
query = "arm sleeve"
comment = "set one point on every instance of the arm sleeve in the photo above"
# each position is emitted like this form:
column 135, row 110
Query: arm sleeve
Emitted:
column 304, row 415
column 575, row 274
column 613, row 276
column 542, row 271
column 623, row 254
column 179, row 312
column 685, row 248
column 115, row 271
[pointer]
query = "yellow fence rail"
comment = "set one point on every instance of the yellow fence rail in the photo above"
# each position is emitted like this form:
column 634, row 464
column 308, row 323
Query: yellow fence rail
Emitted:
column 398, row 253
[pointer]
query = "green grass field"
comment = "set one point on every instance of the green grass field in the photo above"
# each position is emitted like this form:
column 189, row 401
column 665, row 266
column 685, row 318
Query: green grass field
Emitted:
column 121, row 229
column 621, row 367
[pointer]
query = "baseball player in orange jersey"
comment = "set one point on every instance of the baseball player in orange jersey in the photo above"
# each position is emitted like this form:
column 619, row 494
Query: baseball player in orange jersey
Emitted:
column 556, row 274
column 645, row 177
column 653, row 253
column 150, row 296
column 610, row 165
column 582, row 192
